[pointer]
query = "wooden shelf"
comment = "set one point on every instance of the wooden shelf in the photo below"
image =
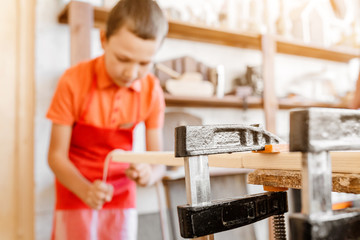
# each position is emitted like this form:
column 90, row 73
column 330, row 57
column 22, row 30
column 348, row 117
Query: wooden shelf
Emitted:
column 84, row 16
column 288, row 104
column 236, row 102
column 227, row 101
column 193, row 32
column 338, row 54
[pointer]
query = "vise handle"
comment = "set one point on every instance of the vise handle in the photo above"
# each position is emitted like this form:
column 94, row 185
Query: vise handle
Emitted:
column 226, row 214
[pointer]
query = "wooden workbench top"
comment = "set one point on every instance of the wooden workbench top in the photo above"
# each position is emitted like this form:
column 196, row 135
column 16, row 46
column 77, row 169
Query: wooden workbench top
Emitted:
column 273, row 169
column 342, row 162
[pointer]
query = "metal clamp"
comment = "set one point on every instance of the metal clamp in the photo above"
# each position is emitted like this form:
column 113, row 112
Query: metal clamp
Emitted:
column 222, row 215
column 195, row 143
column 315, row 132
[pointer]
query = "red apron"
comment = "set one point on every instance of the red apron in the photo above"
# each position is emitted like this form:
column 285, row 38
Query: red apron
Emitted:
column 89, row 147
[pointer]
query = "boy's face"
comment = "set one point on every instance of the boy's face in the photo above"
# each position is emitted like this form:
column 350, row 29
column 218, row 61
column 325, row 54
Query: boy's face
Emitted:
column 127, row 57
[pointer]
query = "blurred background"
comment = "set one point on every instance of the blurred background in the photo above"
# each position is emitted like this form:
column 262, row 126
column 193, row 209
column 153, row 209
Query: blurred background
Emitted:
column 224, row 61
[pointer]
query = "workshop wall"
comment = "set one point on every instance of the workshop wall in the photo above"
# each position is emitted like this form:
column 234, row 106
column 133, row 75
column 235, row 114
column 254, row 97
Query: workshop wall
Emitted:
column 53, row 58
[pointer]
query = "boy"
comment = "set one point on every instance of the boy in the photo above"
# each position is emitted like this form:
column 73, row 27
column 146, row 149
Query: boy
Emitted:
column 94, row 110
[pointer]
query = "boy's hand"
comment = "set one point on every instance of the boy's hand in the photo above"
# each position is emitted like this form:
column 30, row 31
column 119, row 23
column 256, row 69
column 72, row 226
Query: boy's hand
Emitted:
column 98, row 193
column 140, row 173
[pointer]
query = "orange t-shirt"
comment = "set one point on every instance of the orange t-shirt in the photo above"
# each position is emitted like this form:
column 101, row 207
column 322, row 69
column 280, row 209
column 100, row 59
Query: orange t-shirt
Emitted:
column 111, row 106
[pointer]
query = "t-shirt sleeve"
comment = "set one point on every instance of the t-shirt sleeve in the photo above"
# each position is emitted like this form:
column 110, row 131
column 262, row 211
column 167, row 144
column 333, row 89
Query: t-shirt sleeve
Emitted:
column 155, row 117
column 61, row 110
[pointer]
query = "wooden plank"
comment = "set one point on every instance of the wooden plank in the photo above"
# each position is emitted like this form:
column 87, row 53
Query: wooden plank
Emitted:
column 288, row 104
column 81, row 22
column 192, row 32
column 297, row 48
column 270, row 99
column 276, row 178
column 187, row 31
column 8, row 63
column 227, row 101
column 342, row 182
column 17, row 118
column 25, row 98
column 232, row 101
column 342, row 162
column 349, row 183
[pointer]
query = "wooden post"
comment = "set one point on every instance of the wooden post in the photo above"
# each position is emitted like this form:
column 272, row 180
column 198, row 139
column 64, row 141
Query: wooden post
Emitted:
column 17, row 119
column 269, row 99
column 81, row 22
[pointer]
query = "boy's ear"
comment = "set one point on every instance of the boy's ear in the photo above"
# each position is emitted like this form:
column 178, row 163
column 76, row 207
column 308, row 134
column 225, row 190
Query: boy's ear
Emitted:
column 103, row 38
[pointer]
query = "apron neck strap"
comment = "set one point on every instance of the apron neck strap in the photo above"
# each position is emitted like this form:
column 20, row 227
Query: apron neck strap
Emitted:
column 92, row 92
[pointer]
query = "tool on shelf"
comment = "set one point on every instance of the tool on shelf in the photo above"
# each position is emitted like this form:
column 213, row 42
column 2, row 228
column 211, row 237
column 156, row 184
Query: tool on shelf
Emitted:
column 189, row 83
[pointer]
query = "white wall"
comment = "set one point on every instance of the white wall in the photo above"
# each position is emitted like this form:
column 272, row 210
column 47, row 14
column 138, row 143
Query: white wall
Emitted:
column 52, row 58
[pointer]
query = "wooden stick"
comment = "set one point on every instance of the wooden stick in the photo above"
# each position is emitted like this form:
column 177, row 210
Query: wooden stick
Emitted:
column 342, row 162
column 172, row 73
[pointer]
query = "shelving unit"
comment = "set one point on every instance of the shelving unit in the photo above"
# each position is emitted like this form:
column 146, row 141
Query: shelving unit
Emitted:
column 269, row 45
column 192, row 32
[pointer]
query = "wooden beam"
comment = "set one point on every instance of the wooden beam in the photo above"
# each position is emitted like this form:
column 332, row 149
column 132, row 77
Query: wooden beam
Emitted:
column 341, row 182
column 25, row 97
column 270, row 100
column 8, row 63
column 276, row 169
column 193, row 32
column 298, row 48
column 276, row 178
column 17, row 119
column 226, row 101
column 81, row 21
column 342, row 162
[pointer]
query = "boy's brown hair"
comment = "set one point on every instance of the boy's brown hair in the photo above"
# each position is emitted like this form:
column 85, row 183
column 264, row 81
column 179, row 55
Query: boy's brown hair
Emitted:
column 144, row 18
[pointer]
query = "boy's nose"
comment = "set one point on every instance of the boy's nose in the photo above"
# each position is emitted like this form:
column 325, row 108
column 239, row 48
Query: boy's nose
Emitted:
column 131, row 71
